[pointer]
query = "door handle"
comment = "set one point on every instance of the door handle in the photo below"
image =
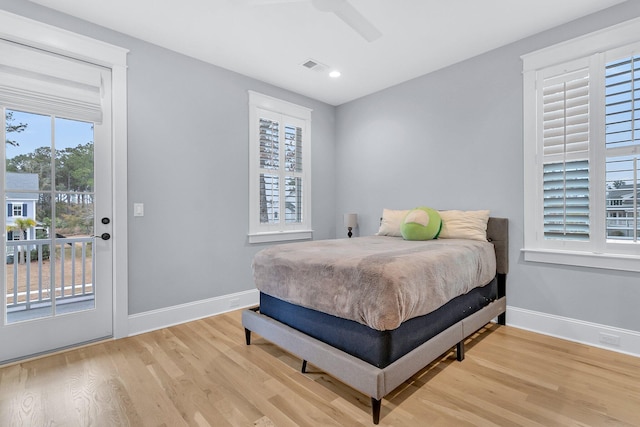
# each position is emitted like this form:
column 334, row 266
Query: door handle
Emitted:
column 104, row 236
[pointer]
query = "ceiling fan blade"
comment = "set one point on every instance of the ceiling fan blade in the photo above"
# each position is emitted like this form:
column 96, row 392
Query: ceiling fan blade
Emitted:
column 357, row 21
column 269, row 2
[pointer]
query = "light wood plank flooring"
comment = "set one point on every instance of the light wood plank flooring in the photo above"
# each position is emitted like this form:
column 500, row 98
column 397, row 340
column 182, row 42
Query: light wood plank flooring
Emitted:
column 202, row 374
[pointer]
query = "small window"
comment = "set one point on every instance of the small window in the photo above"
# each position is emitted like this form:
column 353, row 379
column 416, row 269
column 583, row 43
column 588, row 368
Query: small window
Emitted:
column 17, row 209
column 280, row 175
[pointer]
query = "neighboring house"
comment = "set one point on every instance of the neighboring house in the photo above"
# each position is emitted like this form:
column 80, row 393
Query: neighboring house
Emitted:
column 20, row 203
column 621, row 210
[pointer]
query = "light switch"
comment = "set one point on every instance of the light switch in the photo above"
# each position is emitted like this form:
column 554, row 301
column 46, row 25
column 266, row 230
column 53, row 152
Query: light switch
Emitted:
column 138, row 209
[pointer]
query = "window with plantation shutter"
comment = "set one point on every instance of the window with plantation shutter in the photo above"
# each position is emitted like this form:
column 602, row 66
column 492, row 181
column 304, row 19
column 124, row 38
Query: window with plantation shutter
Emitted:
column 280, row 200
column 582, row 151
column 565, row 150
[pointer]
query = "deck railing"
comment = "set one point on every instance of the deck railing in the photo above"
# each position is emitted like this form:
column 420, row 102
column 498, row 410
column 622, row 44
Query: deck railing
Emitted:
column 35, row 271
column 622, row 228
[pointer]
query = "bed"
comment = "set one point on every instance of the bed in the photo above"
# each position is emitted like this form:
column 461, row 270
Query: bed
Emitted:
column 377, row 339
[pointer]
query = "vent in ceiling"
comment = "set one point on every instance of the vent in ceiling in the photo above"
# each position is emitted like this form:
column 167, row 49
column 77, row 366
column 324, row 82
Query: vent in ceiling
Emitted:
column 314, row 65
column 310, row 64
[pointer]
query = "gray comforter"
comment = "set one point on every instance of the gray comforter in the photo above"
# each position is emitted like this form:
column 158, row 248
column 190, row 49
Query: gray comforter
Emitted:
column 378, row 281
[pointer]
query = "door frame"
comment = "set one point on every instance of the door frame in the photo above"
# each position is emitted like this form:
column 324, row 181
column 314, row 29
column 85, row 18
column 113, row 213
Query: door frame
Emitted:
column 33, row 33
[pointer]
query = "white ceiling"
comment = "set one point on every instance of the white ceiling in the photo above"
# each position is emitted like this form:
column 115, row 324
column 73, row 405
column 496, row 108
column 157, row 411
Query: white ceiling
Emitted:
column 270, row 39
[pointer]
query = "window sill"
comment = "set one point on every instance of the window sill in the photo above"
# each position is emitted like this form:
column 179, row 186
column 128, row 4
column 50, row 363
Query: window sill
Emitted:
column 584, row 259
column 280, row 236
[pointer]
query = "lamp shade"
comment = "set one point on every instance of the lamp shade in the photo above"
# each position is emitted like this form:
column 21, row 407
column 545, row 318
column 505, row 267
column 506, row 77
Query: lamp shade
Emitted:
column 351, row 220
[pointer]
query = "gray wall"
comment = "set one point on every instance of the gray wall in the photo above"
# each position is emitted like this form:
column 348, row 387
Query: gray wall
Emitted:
column 188, row 163
column 452, row 139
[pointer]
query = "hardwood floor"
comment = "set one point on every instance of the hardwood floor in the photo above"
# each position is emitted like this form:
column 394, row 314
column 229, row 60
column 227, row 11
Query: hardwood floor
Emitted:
column 202, row 374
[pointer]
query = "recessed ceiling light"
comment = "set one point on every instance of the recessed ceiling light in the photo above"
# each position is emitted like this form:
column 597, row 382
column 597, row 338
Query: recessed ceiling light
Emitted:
column 335, row 74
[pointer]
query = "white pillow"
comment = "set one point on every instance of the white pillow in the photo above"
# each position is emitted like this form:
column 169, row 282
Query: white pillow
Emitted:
column 470, row 225
column 391, row 222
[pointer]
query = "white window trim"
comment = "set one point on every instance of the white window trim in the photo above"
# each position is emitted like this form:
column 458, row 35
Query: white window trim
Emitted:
column 262, row 234
column 608, row 39
column 29, row 32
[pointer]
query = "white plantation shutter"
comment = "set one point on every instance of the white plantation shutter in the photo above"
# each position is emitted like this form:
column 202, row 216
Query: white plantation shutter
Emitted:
column 293, row 178
column 269, row 162
column 269, row 144
column 40, row 82
column 565, row 122
column 581, row 166
column 279, row 170
column 293, row 148
column 565, row 151
column 566, row 200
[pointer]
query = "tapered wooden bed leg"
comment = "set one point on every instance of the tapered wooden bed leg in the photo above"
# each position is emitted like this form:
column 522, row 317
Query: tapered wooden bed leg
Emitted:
column 247, row 336
column 460, row 351
column 375, row 409
column 304, row 367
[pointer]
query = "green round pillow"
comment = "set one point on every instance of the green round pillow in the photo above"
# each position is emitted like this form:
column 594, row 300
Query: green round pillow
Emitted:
column 421, row 224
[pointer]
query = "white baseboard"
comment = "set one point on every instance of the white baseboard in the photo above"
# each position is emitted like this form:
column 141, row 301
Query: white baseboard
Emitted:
column 593, row 334
column 174, row 315
column 557, row 326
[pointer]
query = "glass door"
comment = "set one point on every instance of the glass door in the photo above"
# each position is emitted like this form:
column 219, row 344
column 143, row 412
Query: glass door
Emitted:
column 57, row 278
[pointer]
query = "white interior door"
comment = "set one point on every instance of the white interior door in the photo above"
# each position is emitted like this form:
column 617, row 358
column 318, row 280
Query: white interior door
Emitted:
column 57, row 186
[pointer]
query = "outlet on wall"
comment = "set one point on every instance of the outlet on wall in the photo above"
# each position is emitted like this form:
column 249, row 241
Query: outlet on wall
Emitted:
column 609, row 339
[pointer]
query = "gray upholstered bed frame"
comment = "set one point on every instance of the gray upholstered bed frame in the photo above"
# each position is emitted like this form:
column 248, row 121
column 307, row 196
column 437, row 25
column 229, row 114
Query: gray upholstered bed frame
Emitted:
column 369, row 379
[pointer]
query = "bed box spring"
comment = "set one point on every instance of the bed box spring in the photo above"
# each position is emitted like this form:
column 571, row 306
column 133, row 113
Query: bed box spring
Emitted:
column 379, row 348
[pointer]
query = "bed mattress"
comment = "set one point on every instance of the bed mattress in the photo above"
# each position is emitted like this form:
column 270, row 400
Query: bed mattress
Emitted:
column 379, row 348
column 350, row 278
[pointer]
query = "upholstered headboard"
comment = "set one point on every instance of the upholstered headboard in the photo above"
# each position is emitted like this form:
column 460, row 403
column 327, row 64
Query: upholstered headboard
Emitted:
column 498, row 234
